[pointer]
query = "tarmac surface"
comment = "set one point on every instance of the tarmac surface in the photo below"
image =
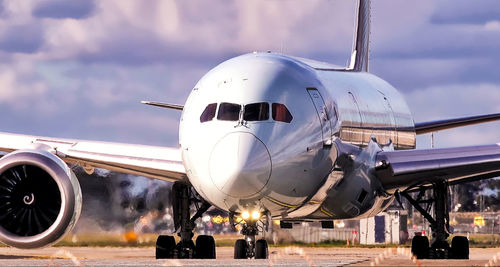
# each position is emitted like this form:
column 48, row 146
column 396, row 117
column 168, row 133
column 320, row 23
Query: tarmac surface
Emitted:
column 282, row 256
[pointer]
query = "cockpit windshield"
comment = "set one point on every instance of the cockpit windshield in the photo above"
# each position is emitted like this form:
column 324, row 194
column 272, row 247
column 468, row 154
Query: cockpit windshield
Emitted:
column 256, row 112
column 281, row 113
column 229, row 112
column 252, row 112
column 209, row 113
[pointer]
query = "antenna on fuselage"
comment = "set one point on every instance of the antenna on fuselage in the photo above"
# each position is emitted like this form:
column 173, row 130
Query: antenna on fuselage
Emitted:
column 361, row 43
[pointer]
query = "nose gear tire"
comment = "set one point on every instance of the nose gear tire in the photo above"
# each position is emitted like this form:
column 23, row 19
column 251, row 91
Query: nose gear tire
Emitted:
column 205, row 247
column 240, row 249
column 261, row 249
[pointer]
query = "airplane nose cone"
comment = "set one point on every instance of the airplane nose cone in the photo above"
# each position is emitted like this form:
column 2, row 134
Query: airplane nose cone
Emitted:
column 240, row 165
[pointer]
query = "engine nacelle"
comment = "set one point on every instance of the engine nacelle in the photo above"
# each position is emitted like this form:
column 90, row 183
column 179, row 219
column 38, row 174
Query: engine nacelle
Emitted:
column 40, row 199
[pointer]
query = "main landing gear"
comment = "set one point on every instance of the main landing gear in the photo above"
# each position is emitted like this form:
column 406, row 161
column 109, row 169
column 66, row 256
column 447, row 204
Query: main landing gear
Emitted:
column 249, row 248
column 440, row 226
column 182, row 198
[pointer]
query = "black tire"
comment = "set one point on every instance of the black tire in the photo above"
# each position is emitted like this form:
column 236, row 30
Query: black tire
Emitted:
column 240, row 249
column 460, row 247
column 420, row 247
column 205, row 247
column 165, row 247
column 261, row 249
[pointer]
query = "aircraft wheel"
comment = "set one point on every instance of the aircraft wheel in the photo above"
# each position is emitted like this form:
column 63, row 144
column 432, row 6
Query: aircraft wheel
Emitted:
column 240, row 249
column 205, row 247
column 165, row 247
column 261, row 249
column 420, row 247
column 186, row 250
column 460, row 247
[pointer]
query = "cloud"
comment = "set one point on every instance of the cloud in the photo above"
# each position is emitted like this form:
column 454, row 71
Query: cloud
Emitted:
column 466, row 12
column 27, row 38
column 129, row 32
column 454, row 101
column 150, row 127
column 441, row 42
column 59, row 9
column 16, row 12
column 60, row 69
column 409, row 74
column 17, row 82
column 493, row 25
column 398, row 33
column 480, row 134
column 412, row 52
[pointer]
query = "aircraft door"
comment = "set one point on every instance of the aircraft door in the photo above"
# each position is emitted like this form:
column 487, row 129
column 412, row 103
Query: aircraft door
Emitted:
column 324, row 118
column 390, row 121
column 352, row 130
column 393, row 134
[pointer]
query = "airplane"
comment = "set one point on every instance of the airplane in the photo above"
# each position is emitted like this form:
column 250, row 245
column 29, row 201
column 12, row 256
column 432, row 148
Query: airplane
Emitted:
column 263, row 136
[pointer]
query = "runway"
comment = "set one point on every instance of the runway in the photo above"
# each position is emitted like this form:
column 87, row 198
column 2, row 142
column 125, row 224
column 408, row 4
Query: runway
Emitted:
column 282, row 256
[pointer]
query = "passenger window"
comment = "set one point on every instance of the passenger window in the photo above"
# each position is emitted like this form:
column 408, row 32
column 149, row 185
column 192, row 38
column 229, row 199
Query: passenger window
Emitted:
column 209, row 113
column 256, row 112
column 281, row 113
column 229, row 112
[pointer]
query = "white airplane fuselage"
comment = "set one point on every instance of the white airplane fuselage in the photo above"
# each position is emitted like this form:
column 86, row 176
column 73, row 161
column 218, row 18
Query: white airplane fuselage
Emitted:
column 290, row 168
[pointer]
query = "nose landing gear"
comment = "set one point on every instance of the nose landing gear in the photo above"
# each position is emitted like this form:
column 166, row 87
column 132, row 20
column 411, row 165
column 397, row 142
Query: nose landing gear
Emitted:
column 249, row 248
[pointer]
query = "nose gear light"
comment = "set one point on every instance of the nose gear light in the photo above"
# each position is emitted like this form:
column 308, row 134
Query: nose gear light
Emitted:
column 255, row 215
column 245, row 215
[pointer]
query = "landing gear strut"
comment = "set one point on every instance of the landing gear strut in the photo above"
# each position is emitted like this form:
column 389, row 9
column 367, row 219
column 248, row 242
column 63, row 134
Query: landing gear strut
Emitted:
column 182, row 198
column 440, row 226
column 248, row 248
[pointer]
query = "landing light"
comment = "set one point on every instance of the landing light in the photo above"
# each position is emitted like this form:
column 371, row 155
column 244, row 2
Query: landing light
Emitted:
column 255, row 214
column 245, row 215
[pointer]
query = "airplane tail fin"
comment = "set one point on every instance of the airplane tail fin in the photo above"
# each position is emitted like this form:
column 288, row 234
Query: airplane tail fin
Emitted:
column 361, row 44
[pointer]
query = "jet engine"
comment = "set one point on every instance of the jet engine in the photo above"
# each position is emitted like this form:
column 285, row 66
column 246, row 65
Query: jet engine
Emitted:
column 40, row 199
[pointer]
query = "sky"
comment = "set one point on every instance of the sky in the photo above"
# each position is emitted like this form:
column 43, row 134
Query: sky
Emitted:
column 79, row 69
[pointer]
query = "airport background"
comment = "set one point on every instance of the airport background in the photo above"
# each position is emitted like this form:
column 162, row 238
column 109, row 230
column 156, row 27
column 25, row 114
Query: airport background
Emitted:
column 136, row 209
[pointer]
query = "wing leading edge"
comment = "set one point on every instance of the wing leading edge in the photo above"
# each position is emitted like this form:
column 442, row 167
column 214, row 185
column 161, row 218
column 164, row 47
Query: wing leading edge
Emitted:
column 163, row 105
column 408, row 168
column 432, row 126
column 149, row 161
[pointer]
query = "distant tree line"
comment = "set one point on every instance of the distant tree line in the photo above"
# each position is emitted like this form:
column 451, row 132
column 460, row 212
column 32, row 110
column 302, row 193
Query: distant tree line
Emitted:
column 478, row 196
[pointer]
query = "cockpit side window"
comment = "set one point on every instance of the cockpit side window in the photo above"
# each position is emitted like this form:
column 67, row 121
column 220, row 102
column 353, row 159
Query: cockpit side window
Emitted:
column 256, row 112
column 229, row 112
column 209, row 112
column 281, row 113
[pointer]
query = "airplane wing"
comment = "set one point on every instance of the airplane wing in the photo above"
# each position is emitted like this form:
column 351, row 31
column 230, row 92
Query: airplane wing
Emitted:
column 163, row 105
column 149, row 161
column 408, row 168
column 433, row 126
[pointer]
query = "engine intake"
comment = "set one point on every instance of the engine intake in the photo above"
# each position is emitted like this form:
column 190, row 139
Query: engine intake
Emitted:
column 40, row 199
